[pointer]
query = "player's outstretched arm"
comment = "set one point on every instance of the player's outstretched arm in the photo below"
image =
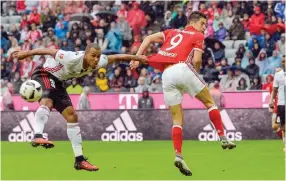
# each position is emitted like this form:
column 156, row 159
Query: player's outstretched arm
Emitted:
column 154, row 38
column 39, row 51
column 125, row 57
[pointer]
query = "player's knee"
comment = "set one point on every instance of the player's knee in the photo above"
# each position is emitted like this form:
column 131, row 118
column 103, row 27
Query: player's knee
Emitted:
column 47, row 103
column 72, row 118
column 275, row 127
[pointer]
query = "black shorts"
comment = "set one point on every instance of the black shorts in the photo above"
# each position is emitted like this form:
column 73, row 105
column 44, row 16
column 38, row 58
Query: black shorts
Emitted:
column 52, row 89
column 281, row 114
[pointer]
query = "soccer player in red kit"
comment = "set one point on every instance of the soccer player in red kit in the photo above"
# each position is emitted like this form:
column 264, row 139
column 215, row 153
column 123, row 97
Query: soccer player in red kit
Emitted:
column 180, row 58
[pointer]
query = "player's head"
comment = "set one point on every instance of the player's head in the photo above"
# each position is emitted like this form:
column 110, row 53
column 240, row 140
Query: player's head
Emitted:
column 92, row 55
column 198, row 20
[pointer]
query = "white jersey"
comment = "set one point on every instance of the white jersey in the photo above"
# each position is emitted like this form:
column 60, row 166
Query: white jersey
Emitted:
column 280, row 83
column 67, row 64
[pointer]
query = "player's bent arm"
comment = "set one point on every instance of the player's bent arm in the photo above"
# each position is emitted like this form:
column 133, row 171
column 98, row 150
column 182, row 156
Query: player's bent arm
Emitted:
column 273, row 95
column 39, row 51
column 154, row 38
column 197, row 60
column 125, row 57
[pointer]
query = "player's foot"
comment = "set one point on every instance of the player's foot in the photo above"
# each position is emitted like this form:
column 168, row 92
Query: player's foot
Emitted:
column 182, row 166
column 227, row 144
column 85, row 165
column 40, row 141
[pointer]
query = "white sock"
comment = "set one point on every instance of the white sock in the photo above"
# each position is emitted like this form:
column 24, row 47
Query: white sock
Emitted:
column 74, row 134
column 41, row 116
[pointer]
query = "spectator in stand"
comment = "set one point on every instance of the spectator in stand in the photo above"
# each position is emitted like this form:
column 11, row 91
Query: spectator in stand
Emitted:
column 146, row 101
column 48, row 20
column 16, row 65
column 280, row 10
column 89, row 81
column 217, row 95
column 269, row 82
column 209, row 72
column 83, row 103
column 236, row 30
column 221, row 33
column 228, row 21
column 114, row 37
column 242, row 85
column 261, row 61
column 125, row 30
column 30, row 5
column 242, row 9
column 227, row 82
column 7, row 98
column 136, row 44
column 269, row 45
column 15, row 32
column 117, row 80
column 210, row 30
column 61, row 27
column 272, row 63
column 252, row 69
column 78, row 43
column 141, row 85
column 180, row 21
column 66, row 45
column 5, row 74
column 34, row 34
column 20, row 6
column 24, row 33
column 281, row 44
column 217, row 21
column 27, row 67
column 34, row 17
column 50, row 37
column 26, row 46
column 17, row 82
column 101, row 80
column 223, row 66
column 257, row 19
column 122, row 11
column 255, row 84
column 24, row 21
column 129, row 80
column 156, row 85
column 69, row 8
column 240, row 52
column 74, row 88
column 256, row 50
column 167, row 20
column 14, row 46
column 136, row 18
column 144, row 73
column 100, row 40
column 245, row 59
column 246, row 22
column 238, row 75
column 218, row 52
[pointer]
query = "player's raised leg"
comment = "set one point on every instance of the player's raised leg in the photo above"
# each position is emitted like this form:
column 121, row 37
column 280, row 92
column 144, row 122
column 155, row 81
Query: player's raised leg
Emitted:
column 74, row 135
column 177, row 137
column 41, row 118
column 205, row 97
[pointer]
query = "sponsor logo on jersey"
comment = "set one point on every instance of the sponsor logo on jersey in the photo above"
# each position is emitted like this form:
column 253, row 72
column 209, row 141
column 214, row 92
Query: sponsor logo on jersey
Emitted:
column 209, row 133
column 122, row 129
column 24, row 132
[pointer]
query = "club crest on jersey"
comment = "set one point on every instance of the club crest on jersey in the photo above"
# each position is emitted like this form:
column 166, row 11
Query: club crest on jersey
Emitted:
column 61, row 56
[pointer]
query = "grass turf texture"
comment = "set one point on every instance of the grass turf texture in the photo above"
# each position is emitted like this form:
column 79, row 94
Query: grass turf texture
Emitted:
column 251, row 160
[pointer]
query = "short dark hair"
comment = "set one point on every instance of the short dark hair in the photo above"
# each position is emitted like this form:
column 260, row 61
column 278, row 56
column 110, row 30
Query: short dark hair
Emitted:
column 93, row 45
column 196, row 16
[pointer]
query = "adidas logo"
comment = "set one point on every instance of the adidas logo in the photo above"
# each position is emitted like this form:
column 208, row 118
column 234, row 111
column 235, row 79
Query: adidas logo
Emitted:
column 122, row 129
column 25, row 131
column 230, row 132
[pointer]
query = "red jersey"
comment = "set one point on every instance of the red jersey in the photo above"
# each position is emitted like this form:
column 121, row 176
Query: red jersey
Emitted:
column 178, row 46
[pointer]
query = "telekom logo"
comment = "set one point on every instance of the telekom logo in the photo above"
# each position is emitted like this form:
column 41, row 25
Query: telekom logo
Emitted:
column 128, row 101
column 265, row 99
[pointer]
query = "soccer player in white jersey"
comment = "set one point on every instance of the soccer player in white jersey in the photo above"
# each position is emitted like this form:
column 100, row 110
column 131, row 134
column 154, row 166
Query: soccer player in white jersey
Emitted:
column 50, row 75
column 279, row 89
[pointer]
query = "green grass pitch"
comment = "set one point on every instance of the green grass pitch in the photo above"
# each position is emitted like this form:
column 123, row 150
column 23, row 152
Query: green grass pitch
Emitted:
column 148, row 160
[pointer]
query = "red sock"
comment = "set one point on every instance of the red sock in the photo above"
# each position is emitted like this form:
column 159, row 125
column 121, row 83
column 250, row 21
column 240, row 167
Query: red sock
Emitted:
column 279, row 132
column 216, row 120
column 177, row 137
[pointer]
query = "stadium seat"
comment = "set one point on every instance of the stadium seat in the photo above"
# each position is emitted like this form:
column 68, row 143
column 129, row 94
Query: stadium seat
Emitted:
column 238, row 42
column 230, row 60
column 228, row 43
column 230, row 53
column 4, row 20
column 18, row 26
column 14, row 19
column 247, row 36
column 6, row 27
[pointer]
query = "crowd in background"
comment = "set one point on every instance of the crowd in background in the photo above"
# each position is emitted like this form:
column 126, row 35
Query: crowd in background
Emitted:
column 120, row 27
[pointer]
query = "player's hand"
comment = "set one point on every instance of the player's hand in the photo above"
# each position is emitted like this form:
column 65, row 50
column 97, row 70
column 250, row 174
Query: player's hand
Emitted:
column 134, row 64
column 18, row 54
column 271, row 105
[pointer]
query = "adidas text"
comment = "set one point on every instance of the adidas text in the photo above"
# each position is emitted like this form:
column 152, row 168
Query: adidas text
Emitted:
column 23, row 137
column 213, row 136
column 122, row 136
